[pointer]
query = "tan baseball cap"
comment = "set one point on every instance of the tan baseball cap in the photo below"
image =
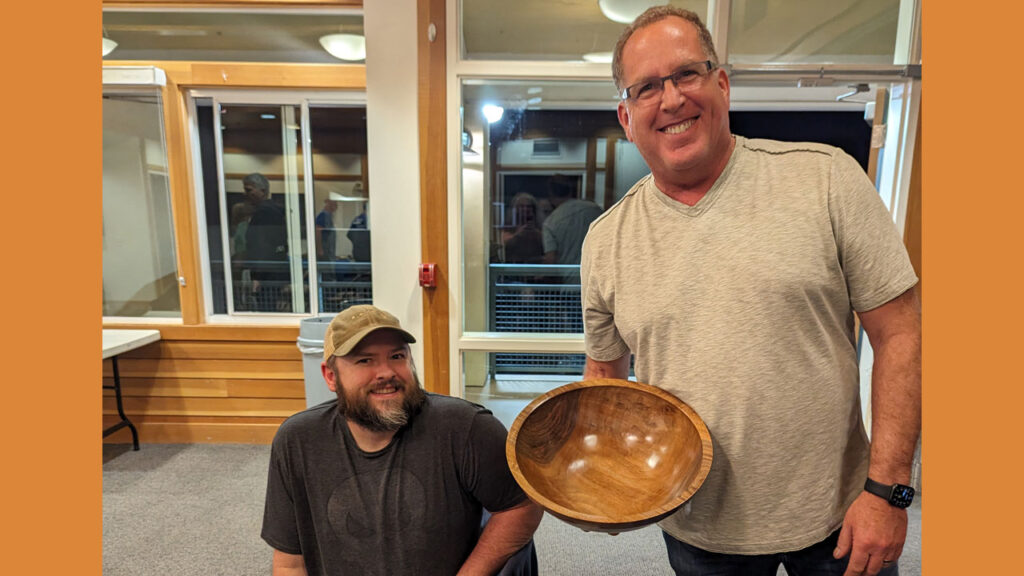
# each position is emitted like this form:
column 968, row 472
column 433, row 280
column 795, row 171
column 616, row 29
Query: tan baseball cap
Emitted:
column 353, row 324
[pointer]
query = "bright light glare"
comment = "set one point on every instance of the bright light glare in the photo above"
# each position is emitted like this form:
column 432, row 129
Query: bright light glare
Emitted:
column 493, row 113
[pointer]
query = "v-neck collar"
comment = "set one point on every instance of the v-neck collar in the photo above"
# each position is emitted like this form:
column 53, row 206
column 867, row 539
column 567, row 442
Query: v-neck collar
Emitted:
column 708, row 200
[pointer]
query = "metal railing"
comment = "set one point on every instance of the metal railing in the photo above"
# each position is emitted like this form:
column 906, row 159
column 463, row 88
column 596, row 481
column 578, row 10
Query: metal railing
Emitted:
column 534, row 298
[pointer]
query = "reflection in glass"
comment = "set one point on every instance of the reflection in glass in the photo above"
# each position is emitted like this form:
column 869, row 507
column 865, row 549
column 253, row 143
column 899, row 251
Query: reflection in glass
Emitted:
column 139, row 266
column 341, row 198
column 267, row 240
column 264, row 192
column 811, row 32
column 531, row 187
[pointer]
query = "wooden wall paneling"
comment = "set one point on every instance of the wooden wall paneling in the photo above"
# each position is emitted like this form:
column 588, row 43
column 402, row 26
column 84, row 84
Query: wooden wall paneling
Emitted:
column 194, row 406
column 217, row 350
column 210, row 332
column 205, row 368
column 197, row 429
column 434, row 190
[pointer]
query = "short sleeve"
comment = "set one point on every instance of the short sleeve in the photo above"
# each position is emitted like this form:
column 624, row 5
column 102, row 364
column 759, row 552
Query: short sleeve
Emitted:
column 871, row 252
column 485, row 470
column 550, row 242
column 602, row 339
column 279, row 525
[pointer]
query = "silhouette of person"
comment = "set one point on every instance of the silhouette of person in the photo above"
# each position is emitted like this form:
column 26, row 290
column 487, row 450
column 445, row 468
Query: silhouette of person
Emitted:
column 526, row 244
column 266, row 246
column 327, row 235
column 566, row 227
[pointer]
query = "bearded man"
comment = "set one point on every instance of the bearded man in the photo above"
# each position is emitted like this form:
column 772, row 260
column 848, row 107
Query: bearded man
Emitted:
column 389, row 479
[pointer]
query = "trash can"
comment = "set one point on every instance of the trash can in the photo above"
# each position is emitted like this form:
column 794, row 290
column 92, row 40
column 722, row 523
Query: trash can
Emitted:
column 311, row 344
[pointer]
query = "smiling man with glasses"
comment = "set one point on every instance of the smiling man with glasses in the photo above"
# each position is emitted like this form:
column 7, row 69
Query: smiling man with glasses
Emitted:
column 762, row 252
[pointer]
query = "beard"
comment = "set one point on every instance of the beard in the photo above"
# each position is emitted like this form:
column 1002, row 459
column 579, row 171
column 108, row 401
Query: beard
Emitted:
column 389, row 417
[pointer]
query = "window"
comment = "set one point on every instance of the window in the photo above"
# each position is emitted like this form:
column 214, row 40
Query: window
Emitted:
column 532, row 184
column 285, row 203
column 139, row 265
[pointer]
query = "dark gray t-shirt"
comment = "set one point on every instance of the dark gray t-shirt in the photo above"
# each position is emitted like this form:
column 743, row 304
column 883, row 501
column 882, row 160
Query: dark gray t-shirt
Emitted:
column 411, row 508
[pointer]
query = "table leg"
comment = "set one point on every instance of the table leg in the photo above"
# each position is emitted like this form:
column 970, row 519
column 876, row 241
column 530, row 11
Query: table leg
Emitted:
column 120, row 408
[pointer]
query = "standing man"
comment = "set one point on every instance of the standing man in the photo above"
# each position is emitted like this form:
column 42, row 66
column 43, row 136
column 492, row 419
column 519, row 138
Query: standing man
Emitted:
column 266, row 244
column 566, row 226
column 326, row 235
column 754, row 256
column 389, row 479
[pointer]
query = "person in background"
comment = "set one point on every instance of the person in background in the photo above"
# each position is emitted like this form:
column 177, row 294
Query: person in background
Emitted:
column 567, row 225
column 732, row 274
column 526, row 244
column 266, row 245
column 327, row 236
column 389, row 479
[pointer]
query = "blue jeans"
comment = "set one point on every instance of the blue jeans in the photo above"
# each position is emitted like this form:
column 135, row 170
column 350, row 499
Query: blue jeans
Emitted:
column 815, row 560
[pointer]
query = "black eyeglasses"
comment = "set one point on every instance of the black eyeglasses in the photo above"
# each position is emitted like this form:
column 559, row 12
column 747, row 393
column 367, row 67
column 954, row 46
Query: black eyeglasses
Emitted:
column 685, row 78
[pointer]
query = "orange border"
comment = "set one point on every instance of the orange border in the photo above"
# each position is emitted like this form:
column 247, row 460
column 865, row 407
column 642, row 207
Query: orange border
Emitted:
column 972, row 206
column 53, row 290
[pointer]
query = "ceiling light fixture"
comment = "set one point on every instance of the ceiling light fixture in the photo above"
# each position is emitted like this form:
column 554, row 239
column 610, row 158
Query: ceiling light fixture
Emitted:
column 624, row 11
column 108, row 44
column 599, row 57
column 351, row 47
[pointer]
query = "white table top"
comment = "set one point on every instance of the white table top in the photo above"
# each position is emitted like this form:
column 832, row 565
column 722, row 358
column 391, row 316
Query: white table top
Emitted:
column 118, row 341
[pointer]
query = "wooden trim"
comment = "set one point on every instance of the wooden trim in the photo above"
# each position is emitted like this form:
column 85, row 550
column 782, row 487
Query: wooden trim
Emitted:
column 196, row 429
column 912, row 226
column 434, row 191
column 217, row 350
column 179, row 165
column 591, row 168
column 225, row 407
column 240, row 332
column 210, row 387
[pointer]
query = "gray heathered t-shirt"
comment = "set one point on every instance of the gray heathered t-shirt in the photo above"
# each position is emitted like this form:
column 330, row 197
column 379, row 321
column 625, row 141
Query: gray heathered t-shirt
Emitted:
column 742, row 306
column 412, row 508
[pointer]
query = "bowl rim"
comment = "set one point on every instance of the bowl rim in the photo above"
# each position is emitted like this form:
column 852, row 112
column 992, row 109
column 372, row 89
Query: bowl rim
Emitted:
column 653, row 514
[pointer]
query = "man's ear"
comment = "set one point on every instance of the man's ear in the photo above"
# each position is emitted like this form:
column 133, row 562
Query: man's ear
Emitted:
column 330, row 376
column 623, row 113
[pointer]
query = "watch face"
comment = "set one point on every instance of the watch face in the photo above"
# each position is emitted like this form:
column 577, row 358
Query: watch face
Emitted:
column 901, row 496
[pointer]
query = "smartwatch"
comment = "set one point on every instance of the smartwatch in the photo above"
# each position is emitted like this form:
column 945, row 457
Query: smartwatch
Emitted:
column 898, row 495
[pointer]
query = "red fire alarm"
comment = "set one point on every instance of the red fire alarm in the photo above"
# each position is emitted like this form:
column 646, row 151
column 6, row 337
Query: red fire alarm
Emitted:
column 428, row 278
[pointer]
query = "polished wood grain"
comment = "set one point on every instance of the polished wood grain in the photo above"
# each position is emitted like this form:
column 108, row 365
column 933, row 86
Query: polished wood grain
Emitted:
column 609, row 455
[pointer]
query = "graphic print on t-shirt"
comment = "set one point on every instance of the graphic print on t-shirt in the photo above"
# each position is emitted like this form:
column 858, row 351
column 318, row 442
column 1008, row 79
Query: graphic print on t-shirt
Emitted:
column 366, row 507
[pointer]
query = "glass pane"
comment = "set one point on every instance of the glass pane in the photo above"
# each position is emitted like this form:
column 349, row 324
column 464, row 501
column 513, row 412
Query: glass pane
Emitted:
column 506, row 382
column 264, row 193
column 341, row 197
column 139, row 266
column 532, row 182
column 813, row 32
column 225, row 36
column 545, row 30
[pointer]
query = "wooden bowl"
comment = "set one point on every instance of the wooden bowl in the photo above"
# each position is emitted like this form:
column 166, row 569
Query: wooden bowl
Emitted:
column 609, row 455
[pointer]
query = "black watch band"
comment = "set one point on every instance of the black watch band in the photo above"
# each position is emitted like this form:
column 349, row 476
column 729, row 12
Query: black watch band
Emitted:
column 898, row 495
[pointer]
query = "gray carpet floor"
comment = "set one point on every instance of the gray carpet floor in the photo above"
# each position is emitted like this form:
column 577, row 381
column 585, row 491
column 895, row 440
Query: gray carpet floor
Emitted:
column 196, row 509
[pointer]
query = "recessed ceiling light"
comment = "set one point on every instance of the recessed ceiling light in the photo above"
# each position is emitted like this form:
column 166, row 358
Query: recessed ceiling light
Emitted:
column 267, row 116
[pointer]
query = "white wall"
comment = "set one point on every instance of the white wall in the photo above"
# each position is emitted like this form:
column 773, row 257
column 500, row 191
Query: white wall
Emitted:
column 393, row 145
column 135, row 227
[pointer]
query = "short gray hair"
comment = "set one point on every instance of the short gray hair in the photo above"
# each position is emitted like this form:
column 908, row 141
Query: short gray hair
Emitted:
column 257, row 180
column 656, row 14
